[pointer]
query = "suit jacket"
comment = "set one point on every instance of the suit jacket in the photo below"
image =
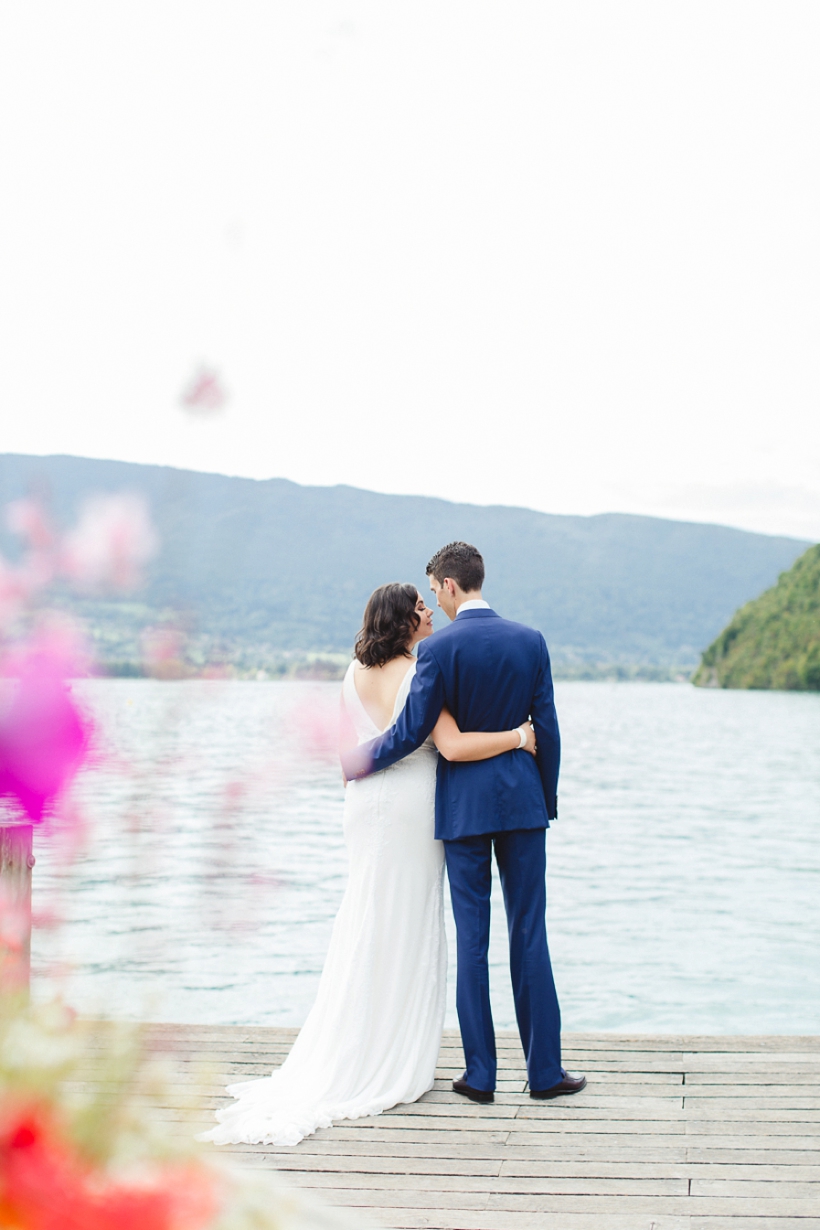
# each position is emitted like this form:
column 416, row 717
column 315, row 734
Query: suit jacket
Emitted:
column 492, row 674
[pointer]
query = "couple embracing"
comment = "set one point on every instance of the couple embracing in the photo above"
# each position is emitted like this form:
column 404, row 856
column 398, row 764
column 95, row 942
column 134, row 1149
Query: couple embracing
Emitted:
column 447, row 765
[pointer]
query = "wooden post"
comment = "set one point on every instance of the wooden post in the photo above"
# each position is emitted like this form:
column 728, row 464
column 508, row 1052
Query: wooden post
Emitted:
column 16, row 862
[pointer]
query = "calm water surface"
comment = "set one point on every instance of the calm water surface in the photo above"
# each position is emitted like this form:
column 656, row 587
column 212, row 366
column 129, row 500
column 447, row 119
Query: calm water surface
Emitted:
column 684, row 870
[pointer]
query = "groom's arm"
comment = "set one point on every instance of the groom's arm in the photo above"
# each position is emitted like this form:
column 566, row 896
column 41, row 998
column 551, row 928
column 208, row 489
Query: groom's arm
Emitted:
column 547, row 736
column 424, row 703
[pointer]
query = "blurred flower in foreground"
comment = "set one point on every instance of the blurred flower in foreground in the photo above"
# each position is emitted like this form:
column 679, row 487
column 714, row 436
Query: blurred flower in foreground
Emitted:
column 84, row 1128
column 44, row 736
column 45, row 1184
column 27, row 519
column 108, row 549
column 19, row 584
column 87, row 1154
column 15, row 938
column 14, row 591
column 112, row 542
column 205, row 391
column 314, row 724
column 163, row 652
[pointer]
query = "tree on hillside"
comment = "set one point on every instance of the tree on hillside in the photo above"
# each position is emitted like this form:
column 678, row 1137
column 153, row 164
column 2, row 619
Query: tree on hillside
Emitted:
column 774, row 641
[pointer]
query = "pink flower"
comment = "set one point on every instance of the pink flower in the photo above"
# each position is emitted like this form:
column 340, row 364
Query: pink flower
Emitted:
column 28, row 519
column 19, row 585
column 15, row 934
column 44, row 736
column 112, row 542
column 205, row 391
column 314, row 723
column 14, row 591
column 163, row 652
column 14, row 922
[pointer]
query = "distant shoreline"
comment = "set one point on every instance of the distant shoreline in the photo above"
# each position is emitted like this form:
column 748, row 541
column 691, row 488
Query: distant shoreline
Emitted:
column 320, row 669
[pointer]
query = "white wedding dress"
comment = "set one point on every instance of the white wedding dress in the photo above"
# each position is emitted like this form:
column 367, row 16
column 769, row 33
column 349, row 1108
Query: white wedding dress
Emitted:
column 372, row 1037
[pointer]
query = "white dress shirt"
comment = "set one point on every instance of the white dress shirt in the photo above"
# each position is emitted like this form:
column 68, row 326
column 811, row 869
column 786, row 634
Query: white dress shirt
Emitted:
column 474, row 604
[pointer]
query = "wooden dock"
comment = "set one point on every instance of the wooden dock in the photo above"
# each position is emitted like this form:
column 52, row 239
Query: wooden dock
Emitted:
column 672, row 1132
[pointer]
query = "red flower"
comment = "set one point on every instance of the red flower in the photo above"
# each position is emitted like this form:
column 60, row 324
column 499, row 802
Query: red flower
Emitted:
column 46, row 1185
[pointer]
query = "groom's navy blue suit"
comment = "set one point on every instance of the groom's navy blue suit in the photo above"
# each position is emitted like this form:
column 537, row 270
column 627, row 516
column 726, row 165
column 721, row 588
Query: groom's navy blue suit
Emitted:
column 492, row 675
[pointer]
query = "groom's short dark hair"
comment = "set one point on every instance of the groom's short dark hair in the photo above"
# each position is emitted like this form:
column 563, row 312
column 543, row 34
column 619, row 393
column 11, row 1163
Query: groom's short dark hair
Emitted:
column 461, row 562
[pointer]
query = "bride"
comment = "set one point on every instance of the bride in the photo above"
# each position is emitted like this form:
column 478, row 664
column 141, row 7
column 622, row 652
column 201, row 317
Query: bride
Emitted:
column 372, row 1037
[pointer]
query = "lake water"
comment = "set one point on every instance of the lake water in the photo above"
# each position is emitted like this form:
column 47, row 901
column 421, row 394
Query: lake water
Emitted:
column 684, row 870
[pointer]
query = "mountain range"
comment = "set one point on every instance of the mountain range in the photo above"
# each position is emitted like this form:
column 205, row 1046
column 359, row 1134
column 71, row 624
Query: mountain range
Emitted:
column 263, row 571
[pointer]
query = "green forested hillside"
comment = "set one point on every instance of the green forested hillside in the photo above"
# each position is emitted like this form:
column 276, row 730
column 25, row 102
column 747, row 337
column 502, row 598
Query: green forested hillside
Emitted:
column 774, row 641
column 258, row 573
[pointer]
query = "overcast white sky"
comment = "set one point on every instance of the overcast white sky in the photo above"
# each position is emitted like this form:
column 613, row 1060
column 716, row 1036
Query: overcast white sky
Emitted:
column 556, row 254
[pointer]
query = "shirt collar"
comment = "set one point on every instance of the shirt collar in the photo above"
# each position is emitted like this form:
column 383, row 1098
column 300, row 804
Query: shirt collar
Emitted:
column 475, row 604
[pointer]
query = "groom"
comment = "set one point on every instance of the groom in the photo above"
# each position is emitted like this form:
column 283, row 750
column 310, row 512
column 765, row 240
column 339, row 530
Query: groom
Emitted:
column 492, row 675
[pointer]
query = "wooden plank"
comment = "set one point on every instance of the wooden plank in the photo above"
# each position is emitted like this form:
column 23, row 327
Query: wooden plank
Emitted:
column 646, row 1206
column 650, row 1205
column 653, row 1140
column 747, row 1096
column 764, row 1070
column 645, row 1109
column 636, row 1169
column 604, row 1081
column 470, row 1219
column 598, row 1125
column 365, row 1197
column 763, row 1080
column 466, row 1169
column 758, row 1189
column 582, row 1187
column 395, row 1146
column 757, row 1171
column 727, row 1113
column 768, row 1129
column 496, row 1168
column 726, row 1155
column 699, row 1043
column 456, row 1108
column 427, row 1133
column 763, row 1222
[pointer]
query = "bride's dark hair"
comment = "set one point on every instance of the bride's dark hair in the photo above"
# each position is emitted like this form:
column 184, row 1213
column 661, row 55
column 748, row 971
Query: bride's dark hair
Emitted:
column 390, row 619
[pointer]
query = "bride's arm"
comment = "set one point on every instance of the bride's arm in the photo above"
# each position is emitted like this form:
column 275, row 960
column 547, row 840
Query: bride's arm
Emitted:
column 455, row 744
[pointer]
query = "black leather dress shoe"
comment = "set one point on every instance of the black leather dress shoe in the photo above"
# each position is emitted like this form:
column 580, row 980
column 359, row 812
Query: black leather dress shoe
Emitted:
column 475, row 1095
column 572, row 1082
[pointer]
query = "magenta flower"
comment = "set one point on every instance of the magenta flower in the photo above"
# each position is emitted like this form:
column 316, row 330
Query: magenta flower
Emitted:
column 44, row 736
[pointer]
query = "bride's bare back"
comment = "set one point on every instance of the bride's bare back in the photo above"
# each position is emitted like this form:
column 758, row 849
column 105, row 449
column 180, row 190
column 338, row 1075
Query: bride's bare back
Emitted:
column 378, row 687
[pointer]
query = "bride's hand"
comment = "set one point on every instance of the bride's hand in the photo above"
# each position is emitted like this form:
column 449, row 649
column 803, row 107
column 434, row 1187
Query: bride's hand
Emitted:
column 529, row 746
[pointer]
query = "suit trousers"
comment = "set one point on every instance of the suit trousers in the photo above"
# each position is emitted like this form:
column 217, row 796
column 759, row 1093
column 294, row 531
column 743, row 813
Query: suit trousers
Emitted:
column 522, row 863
